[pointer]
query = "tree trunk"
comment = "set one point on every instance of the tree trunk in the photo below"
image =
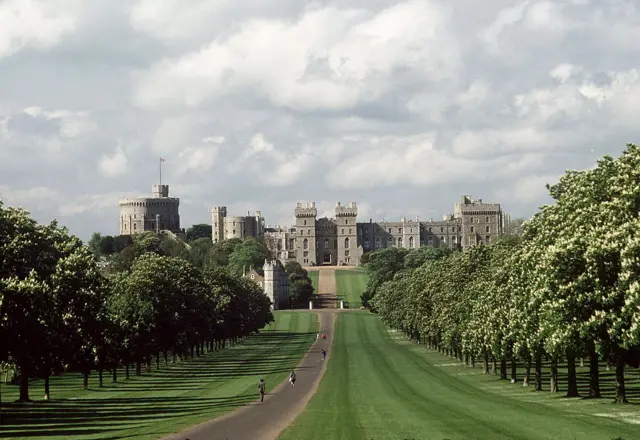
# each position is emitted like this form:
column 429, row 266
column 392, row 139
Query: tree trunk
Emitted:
column 85, row 379
column 527, row 371
column 594, row 372
column 173, row 354
column 503, row 369
column 494, row 366
column 126, row 371
column 191, row 352
column 148, row 365
column 473, row 361
column 100, row 377
column 514, row 366
column 485, row 363
column 47, row 389
column 554, row 375
column 24, row 383
column 114, row 374
column 166, row 358
column 538, row 370
column 158, row 360
column 138, row 368
column 621, row 392
column 572, row 379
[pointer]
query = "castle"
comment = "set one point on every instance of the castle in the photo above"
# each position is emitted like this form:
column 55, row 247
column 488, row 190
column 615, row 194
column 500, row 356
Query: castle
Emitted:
column 342, row 240
column 273, row 280
column 157, row 213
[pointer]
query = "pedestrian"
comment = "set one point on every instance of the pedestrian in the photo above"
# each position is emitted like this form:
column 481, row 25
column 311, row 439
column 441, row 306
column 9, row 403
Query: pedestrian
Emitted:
column 261, row 387
column 292, row 378
column 324, row 354
column 324, row 336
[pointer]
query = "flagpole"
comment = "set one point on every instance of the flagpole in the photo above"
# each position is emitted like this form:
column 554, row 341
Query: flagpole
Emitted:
column 161, row 172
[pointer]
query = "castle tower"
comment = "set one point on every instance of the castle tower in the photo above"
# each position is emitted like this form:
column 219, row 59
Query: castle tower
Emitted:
column 270, row 282
column 346, row 218
column 218, row 215
column 157, row 213
column 306, row 246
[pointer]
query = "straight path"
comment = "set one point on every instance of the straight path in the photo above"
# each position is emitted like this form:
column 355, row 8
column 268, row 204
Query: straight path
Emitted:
column 327, row 287
column 266, row 420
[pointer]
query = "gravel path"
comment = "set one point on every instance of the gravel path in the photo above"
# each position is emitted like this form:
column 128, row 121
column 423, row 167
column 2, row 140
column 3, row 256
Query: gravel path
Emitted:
column 266, row 420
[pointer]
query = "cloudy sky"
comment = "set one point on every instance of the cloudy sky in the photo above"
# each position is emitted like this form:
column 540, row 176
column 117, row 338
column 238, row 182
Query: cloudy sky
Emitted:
column 401, row 106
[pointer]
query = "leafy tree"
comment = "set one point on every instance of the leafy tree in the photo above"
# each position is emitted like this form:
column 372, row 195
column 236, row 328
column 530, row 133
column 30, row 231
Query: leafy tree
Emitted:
column 200, row 251
column 198, row 231
column 248, row 253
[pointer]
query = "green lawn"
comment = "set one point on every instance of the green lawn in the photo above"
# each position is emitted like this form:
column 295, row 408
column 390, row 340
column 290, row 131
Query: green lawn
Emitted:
column 161, row 402
column 351, row 284
column 379, row 386
column 313, row 276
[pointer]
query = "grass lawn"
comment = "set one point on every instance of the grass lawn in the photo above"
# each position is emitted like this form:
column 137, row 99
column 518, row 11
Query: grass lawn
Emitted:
column 313, row 276
column 379, row 386
column 351, row 284
column 161, row 402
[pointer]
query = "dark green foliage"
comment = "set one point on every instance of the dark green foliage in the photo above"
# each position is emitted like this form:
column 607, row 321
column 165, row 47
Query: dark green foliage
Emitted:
column 198, row 231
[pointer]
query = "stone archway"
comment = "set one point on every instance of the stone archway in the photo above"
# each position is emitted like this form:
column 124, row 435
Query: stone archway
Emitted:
column 327, row 259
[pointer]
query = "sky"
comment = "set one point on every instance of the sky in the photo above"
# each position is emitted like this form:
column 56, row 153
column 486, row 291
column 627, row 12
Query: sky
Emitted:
column 400, row 106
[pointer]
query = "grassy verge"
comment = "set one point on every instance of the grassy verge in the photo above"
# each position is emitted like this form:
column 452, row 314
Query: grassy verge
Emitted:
column 313, row 276
column 378, row 386
column 351, row 284
column 164, row 401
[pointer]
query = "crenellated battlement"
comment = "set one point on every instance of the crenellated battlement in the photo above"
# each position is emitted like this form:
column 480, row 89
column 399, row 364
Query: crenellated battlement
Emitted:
column 306, row 210
column 351, row 210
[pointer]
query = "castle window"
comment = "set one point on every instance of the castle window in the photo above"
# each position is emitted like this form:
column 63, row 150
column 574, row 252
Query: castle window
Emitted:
column 442, row 239
column 234, row 232
column 400, row 242
column 366, row 242
column 430, row 238
column 399, row 230
column 350, row 231
column 471, row 220
column 346, row 221
column 389, row 230
column 346, row 242
column 453, row 239
column 411, row 242
column 305, row 223
column 346, row 253
column 488, row 229
column 429, row 229
column 253, row 277
column 486, row 220
column 453, row 229
column 326, row 243
column 441, row 229
column 309, row 232
column 305, row 244
column 291, row 243
column 390, row 240
column 366, row 231
column 305, row 254
column 135, row 226
column 343, row 231
column 378, row 243
column 487, row 239
column 472, row 230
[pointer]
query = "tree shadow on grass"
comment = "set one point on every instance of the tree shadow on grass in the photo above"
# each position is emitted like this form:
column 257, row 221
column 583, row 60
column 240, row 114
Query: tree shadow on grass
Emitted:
column 72, row 418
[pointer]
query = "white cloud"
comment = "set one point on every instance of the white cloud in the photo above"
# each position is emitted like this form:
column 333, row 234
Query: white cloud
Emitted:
column 530, row 189
column 414, row 160
column 37, row 23
column 398, row 105
column 328, row 59
column 113, row 165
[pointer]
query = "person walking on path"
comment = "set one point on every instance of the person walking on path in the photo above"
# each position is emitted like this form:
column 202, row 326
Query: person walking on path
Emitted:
column 292, row 378
column 324, row 354
column 261, row 387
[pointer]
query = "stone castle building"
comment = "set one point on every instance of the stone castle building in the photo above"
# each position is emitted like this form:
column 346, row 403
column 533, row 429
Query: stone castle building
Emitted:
column 273, row 280
column 225, row 227
column 342, row 240
column 157, row 213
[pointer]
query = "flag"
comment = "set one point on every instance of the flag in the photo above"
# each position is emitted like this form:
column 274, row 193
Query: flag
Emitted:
column 161, row 160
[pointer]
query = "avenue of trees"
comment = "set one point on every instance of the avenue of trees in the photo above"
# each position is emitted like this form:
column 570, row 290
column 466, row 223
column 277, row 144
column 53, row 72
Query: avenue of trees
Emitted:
column 567, row 289
column 59, row 311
